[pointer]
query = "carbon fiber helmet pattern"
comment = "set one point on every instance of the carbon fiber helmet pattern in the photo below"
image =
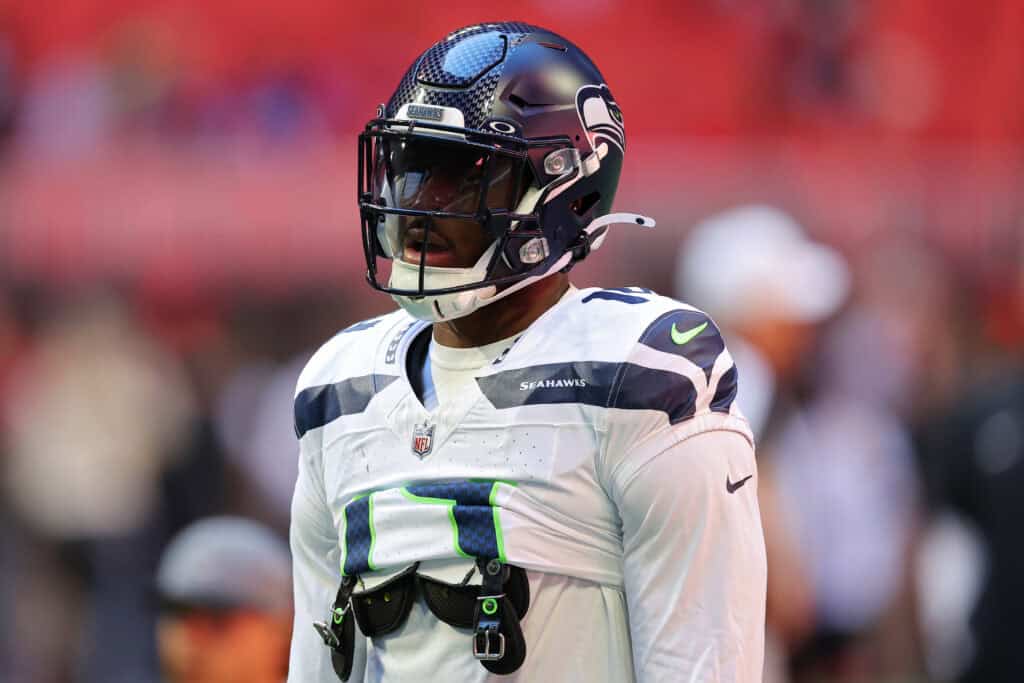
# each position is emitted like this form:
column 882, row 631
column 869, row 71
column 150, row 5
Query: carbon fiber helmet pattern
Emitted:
column 459, row 63
column 470, row 59
column 521, row 95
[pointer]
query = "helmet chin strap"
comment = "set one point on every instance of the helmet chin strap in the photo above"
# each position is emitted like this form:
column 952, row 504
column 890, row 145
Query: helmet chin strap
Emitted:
column 458, row 304
column 598, row 225
column 442, row 306
column 451, row 306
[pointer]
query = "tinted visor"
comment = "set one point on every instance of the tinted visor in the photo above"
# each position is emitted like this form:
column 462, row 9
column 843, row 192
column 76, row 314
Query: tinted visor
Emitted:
column 434, row 174
column 444, row 197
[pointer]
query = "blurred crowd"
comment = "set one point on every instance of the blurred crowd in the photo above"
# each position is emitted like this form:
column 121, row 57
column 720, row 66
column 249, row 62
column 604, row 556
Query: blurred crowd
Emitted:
column 875, row 307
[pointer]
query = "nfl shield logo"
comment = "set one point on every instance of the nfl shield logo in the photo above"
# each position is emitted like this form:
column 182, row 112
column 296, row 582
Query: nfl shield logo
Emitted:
column 422, row 440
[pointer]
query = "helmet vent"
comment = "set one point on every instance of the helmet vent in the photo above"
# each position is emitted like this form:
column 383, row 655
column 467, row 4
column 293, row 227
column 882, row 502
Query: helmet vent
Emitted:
column 553, row 46
column 523, row 104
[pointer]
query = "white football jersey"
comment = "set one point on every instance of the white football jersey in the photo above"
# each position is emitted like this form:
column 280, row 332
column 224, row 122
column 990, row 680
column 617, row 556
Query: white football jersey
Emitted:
column 602, row 451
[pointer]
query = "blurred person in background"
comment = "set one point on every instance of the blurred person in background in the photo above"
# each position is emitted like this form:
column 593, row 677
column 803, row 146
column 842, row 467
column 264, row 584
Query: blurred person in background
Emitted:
column 224, row 590
column 973, row 463
column 771, row 287
column 273, row 336
column 12, row 341
column 838, row 480
column 96, row 412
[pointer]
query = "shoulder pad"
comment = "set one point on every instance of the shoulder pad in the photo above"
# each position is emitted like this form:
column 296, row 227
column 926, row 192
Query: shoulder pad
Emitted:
column 690, row 334
column 341, row 378
column 623, row 348
column 600, row 324
column 680, row 366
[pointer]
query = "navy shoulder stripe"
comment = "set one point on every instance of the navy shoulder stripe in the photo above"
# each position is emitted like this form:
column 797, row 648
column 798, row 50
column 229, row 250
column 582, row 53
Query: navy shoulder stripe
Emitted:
column 359, row 327
column 586, row 382
column 602, row 384
column 725, row 394
column 630, row 386
column 690, row 334
column 316, row 406
column 643, row 388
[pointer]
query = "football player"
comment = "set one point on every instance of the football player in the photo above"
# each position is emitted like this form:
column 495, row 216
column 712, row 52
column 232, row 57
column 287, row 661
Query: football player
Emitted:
column 510, row 476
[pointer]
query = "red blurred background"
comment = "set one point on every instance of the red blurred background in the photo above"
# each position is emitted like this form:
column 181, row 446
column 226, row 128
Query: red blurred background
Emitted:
column 165, row 127
column 177, row 209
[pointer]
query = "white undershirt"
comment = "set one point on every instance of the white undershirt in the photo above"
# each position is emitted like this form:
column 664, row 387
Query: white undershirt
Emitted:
column 447, row 370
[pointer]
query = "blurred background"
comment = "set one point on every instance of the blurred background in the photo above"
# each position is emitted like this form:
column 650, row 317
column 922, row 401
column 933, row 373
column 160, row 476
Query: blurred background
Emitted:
column 837, row 181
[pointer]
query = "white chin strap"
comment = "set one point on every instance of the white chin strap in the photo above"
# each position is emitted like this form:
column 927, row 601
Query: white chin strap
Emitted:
column 451, row 306
column 443, row 306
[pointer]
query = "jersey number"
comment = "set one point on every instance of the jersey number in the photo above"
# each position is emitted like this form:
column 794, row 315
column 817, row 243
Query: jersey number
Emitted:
column 463, row 520
column 626, row 295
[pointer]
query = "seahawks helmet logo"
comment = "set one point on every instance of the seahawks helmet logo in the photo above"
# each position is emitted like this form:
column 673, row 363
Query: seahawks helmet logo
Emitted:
column 600, row 116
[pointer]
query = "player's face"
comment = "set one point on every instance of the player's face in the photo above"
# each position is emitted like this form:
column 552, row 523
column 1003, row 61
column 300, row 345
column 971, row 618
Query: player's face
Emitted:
column 437, row 176
column 203, row 647
column 447, row 244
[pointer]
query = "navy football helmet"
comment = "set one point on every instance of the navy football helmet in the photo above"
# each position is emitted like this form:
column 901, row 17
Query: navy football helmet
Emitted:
column 505, row 126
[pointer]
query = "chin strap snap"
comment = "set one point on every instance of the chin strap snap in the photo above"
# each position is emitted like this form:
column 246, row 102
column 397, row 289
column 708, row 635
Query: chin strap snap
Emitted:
column 492, row 610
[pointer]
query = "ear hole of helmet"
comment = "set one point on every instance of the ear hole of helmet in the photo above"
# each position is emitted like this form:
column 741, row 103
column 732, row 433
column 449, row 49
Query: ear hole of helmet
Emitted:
column 581, row 206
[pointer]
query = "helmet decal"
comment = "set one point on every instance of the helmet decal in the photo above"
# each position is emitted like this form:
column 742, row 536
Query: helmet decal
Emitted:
column 600, row 116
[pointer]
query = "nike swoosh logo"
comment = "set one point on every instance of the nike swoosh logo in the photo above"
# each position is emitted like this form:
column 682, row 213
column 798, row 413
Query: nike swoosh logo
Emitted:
column 731, row 487
column 680, row 338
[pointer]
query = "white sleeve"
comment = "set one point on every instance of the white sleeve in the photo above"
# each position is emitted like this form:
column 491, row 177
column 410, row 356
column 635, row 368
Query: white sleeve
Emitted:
column 316, row 575
column 694, row 557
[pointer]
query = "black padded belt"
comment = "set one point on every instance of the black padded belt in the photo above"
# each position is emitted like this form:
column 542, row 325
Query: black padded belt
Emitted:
column 455, row 603
column 386, row 607
column 493, row 610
